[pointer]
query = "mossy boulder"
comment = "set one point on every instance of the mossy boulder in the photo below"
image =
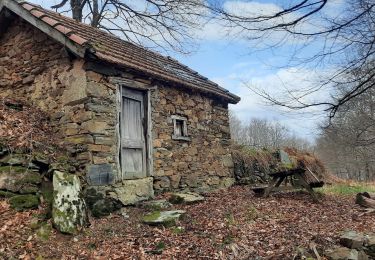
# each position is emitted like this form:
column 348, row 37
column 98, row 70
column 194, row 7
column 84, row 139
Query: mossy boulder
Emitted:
column 164, row 218
column 69, row 211
column 19, row 179
column 24, row 202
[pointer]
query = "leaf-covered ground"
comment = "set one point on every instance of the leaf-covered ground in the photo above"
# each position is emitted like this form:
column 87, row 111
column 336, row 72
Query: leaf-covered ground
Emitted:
column 230, row 224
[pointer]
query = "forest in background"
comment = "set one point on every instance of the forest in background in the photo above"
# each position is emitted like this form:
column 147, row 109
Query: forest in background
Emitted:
column 346, row 144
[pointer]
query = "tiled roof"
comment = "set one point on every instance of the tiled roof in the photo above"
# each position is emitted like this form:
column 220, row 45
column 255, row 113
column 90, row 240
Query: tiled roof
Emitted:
column 112, row 49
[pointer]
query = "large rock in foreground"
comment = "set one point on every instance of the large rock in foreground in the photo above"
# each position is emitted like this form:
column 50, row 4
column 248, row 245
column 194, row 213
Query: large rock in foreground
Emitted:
column 69, row 211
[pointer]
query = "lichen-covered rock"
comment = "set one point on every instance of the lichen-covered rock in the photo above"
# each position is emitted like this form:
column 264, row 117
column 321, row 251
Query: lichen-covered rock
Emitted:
column 23, row 202
column 352, row 239
column 187, row 197
column 164, row 218
column 129, row 192
column 69, row 210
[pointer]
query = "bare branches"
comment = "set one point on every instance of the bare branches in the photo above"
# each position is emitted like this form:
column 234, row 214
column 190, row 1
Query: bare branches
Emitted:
column 59, row 5
column 343, row 36
column 166, row 24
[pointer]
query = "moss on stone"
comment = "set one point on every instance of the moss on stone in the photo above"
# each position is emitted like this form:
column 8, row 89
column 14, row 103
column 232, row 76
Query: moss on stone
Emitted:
column 6, row 194
column 30, row 178
column 152, row 216
column 29, row 189
column 63, row 226
column 23, row 202
column 13, row 169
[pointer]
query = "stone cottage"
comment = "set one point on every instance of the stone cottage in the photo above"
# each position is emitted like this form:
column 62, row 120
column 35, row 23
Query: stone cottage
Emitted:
column 136, row 121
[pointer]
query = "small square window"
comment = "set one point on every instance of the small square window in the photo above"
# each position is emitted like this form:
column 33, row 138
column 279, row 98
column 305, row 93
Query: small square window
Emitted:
column 180, row 128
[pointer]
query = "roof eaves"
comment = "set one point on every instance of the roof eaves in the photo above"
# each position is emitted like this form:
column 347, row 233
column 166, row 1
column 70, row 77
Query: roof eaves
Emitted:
column 40, row 20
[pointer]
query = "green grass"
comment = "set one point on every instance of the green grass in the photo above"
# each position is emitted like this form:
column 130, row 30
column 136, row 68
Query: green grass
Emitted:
column 347, row 188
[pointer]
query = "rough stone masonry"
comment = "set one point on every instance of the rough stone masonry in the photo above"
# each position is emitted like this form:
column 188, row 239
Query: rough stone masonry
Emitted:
column 83, row 105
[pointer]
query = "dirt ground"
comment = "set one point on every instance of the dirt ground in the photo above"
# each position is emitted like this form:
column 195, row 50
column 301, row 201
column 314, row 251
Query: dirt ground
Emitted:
column 230, row 224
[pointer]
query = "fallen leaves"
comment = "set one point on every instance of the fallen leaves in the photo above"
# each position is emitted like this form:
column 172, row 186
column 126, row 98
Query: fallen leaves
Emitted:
column 229, row 224
column 24, row 126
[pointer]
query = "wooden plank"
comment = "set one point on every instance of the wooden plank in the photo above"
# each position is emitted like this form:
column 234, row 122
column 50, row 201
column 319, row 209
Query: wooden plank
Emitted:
column 149, row 147
column 304, row 184
column 133, row 147
column 270, row 187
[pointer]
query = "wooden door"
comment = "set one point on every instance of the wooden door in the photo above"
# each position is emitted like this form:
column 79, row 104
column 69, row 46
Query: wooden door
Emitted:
column 133, row 143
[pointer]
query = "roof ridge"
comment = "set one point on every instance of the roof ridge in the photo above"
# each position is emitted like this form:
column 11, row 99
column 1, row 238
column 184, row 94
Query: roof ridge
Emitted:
column 83, row 38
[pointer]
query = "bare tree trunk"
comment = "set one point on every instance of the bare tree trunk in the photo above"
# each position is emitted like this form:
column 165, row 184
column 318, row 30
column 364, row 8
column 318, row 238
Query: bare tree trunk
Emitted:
column 95, row 14
column 76, row 10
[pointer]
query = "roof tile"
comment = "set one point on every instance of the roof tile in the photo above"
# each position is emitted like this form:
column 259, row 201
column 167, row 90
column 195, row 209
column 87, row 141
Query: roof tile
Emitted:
column 50, row 21
column 112, row 49
column 28, row 7
column 37, row 13
column 77, row 39
column 63, row 29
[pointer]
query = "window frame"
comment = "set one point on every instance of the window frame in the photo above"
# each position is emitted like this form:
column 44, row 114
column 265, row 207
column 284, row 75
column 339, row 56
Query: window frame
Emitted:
column 185, row 136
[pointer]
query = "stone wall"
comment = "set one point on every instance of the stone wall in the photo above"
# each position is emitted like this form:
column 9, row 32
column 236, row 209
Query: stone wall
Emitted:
column 205, row 161
column 81, row 103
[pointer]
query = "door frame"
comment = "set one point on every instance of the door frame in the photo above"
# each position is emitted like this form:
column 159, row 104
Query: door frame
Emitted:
column 147, row 128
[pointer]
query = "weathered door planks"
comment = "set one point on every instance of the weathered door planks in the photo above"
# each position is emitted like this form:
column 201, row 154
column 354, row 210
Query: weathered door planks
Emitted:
column 133, row 140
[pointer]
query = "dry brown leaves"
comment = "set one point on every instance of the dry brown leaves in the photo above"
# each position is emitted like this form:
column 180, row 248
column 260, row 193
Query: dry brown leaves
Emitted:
column 24, row 126
column 229, row 224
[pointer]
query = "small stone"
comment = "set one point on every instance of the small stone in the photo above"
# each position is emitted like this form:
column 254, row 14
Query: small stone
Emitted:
column 188, row 198
column 104, row 207
column 164, row 218
column 352, row 239
column 343, row 253
column 28, row 79
column 157, row 204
